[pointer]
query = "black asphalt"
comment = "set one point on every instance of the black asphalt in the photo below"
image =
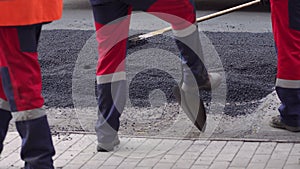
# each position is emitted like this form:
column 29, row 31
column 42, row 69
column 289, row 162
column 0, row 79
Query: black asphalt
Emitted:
column 249, row 60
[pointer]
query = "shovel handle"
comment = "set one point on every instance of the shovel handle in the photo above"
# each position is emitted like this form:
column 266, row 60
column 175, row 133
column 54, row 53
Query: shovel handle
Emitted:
column 200, row 19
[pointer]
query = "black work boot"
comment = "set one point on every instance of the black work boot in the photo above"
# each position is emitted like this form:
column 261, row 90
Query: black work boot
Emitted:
column 102, row 147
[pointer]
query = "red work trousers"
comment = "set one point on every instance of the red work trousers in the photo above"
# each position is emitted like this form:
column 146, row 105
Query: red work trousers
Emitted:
column 20, row 74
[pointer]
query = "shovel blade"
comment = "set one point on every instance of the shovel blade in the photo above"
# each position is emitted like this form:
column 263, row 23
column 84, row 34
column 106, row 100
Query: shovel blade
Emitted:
column 192, row 106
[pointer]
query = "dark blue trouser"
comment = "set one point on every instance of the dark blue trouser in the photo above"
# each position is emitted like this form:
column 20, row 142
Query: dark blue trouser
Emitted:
column 5, row 117
column 111, row 99
column 290, row 106
column 37, row 148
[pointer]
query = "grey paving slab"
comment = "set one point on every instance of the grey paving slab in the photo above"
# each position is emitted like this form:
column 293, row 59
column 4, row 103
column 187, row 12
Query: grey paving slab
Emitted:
column 296, row 150
column 266, row 148
column 170, row 158
column 218, row 164
column 244, row 155
column 200, row 166
column 79, row 151
column 205, row 160
column 11, row 151
column 183, row 163
column 229, row 151
column 240, row 162
column 256, row 166
column 163, row 166
column 292, row 160
column 190, row 155
column 276, row 163
column 214, row 148
column 291, row 167
column 260, row 158
column 126, row 165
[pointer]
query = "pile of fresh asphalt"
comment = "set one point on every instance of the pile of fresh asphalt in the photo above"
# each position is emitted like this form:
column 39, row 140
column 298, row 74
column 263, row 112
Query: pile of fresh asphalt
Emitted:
column 249, row 61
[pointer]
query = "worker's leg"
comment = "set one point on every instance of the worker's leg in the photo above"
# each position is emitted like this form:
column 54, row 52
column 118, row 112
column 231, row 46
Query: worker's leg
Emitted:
column 286, row 29
column 112, row 25
column 22, row 84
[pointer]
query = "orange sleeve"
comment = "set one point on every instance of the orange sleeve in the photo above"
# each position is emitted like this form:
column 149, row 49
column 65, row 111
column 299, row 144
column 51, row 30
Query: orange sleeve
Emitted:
column 27, row 12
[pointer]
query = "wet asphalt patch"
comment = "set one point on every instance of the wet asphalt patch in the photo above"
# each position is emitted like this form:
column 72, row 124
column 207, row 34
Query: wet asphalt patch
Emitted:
column 249, row 61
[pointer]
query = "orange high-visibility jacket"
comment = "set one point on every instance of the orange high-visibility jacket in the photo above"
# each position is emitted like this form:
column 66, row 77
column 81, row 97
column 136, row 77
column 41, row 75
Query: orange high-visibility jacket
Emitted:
column 27, row 12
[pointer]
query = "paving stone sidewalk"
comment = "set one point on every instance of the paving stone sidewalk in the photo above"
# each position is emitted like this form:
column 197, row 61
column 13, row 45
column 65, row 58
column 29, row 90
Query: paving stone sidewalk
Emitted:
column 74, row 151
